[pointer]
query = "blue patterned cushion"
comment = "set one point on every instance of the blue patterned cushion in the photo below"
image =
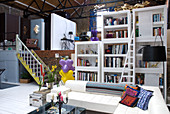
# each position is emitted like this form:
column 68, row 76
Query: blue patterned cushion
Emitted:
column 144, row 97
column 106, row 88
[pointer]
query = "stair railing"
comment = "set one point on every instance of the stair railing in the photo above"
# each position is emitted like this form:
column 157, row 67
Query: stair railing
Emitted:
column 22, row 49
column 41, row 61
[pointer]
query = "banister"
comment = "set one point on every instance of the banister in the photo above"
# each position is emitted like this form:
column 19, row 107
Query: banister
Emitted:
column 17, row 38
column 40, row 60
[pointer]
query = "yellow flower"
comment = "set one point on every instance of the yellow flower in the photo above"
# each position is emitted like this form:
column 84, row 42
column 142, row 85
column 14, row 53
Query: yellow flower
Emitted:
column 55, row 66
column 52, row 69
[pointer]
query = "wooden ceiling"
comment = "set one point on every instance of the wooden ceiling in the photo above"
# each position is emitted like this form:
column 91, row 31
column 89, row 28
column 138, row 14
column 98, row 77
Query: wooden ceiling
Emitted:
column 45, row 7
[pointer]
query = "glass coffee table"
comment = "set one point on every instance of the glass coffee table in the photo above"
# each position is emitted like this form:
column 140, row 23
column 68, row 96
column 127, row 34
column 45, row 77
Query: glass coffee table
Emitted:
column 66, row 109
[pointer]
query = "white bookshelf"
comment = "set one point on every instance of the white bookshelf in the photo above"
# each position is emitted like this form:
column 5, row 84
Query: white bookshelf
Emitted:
column 149, row 21
column 120, row 38
column 87, row 51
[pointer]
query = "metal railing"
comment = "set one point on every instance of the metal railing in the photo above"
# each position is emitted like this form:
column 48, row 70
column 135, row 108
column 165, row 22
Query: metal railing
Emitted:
column 28, row 57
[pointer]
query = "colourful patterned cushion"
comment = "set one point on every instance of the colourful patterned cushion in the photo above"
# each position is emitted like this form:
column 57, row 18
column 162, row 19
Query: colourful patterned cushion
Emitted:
column 130, row 91
column 144, row 97
column 132, row 86
column 106, row 88
column 129, row 100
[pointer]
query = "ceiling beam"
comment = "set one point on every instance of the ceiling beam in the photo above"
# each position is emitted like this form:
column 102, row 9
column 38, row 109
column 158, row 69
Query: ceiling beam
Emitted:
column 49, row 3
column 85, row 5
column 5, row 1
column 30, row 7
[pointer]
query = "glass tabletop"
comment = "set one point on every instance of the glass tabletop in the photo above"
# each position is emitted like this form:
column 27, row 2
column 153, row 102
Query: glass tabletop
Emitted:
column 66, row 109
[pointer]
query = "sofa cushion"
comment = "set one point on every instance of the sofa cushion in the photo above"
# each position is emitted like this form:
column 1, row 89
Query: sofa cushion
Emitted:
column 132, row 86
column 101, row 103
column 130, row 101
column 130, row 91
column 122, row 109
column 144, row 97
column 106, row 88
column 74, row 85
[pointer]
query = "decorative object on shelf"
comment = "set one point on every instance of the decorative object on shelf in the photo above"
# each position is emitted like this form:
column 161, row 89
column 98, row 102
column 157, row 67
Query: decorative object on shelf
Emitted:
column 130, row 7
column 94, row 34
column 83, row 37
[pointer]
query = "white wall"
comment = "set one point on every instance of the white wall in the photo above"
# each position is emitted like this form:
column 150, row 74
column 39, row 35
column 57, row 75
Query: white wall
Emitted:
column 59, row 27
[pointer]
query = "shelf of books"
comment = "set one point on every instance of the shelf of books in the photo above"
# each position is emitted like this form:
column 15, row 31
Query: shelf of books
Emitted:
column 115, row 37
column 116, row 25
column 87, row 61
column 149, row 26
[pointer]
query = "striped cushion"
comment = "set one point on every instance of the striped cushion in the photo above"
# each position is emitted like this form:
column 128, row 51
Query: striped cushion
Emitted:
column 106, row 88
column 144, row 97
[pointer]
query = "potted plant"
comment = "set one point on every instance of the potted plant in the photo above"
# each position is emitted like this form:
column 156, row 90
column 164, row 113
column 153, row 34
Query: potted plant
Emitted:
column 25, row 77
column 52, row 76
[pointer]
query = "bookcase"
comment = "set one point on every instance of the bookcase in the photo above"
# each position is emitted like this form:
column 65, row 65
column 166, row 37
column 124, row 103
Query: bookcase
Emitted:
column 147, row 23
column 87, row 61
column 116, row 33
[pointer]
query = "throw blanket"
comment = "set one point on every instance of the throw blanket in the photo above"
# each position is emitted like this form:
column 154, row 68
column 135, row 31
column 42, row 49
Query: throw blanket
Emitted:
column 105, row 88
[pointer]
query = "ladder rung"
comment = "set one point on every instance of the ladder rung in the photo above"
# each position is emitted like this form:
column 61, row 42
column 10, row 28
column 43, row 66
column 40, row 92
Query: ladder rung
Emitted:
column 130, row 69
column 127, row 82
column 127, row 76
column 129, row 63
column 131, row 44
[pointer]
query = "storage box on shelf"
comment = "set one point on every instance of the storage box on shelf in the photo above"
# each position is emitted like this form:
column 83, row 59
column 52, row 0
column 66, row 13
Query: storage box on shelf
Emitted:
column 116, row 35
column 87, row 61
column 148, row 23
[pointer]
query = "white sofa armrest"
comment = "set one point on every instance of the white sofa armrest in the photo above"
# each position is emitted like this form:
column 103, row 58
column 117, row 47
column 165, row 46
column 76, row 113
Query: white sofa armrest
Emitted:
column 61, row 89
column 75, row 85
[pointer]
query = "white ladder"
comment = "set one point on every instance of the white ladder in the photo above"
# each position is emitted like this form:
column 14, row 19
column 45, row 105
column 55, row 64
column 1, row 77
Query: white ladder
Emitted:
column 128, row 71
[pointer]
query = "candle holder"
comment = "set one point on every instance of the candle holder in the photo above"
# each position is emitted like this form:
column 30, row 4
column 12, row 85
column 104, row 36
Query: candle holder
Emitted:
column 60, row 101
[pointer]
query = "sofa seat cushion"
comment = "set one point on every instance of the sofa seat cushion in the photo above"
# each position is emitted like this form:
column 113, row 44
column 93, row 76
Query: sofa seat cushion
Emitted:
column 122, row 109
column 95, row 102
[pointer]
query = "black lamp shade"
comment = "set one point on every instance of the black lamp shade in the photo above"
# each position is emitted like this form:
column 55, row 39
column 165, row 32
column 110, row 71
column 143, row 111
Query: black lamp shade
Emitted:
column 154, row 53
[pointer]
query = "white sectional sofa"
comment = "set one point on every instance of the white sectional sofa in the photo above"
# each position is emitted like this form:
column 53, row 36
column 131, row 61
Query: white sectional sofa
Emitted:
column 78, row 96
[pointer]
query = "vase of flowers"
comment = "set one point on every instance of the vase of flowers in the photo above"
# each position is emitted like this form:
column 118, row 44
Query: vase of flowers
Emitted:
column 52, row 76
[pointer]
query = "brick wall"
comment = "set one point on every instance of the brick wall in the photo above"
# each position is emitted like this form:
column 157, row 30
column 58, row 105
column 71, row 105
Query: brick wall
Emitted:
column 48, row 56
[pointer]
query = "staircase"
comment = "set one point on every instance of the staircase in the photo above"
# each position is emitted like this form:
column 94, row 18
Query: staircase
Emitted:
column 33, row 64
column 128, row 71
